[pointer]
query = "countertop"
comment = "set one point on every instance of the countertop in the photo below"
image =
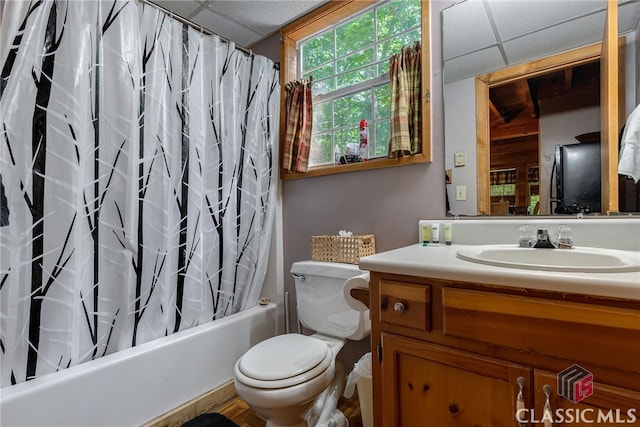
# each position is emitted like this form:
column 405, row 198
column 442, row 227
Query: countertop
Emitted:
column 441, row 262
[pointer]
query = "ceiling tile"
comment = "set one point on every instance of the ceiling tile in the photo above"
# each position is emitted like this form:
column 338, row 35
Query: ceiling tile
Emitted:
column 559, row 38
column 183, row 8
column 514, row 18
column 222, row 26
column 466, row 28
column 473, row 64
column 263, row 16
column 629, row 17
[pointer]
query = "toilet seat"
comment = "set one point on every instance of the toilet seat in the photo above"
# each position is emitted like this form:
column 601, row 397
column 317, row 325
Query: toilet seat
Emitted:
column 284, row 361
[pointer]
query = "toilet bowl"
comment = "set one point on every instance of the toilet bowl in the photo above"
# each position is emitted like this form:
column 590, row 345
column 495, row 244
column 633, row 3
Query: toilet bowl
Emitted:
column 294, row 379
column 280, row 378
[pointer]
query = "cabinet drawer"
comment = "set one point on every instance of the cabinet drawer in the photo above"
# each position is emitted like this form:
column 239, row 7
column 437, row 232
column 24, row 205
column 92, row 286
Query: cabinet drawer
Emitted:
column 405, row 304
column 601, row 335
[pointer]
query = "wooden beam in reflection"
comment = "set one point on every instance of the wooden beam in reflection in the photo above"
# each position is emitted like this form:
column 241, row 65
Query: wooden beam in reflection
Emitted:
column 515, row 129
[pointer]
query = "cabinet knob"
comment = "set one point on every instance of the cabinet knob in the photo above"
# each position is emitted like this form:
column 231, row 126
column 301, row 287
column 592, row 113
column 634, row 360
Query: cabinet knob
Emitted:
column 398, row 307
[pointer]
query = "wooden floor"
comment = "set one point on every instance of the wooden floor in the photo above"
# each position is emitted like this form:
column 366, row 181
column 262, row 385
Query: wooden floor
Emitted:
column 240, row 413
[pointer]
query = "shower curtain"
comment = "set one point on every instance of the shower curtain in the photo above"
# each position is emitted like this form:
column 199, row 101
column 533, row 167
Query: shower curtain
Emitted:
column 136, row 160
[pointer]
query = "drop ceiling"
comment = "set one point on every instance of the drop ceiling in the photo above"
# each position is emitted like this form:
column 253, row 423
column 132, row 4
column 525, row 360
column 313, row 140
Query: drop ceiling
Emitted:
column 243, row 22
column 480, row 36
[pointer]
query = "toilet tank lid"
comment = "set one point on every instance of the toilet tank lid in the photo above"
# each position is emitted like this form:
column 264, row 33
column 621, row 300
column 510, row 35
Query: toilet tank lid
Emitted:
column 326, row 269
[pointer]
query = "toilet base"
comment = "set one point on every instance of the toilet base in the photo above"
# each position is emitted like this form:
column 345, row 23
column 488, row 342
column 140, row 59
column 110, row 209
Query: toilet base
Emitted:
column 337, row 419
column 325, row 412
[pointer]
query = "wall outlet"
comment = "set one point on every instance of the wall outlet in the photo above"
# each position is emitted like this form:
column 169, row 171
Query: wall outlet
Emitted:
column 448, row 176
column 461, row 192
column 458, row 159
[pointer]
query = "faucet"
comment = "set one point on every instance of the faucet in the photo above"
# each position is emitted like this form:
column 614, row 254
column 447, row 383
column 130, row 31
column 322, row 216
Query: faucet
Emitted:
column 565, row 239
column 543, row 241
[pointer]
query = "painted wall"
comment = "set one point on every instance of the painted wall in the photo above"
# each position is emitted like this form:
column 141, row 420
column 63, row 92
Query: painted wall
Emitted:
column 386, row 202
column 460, row 134
column 389, row 202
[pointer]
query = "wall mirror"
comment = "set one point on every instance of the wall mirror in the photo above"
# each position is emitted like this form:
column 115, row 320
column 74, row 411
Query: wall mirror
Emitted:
column 537, row 97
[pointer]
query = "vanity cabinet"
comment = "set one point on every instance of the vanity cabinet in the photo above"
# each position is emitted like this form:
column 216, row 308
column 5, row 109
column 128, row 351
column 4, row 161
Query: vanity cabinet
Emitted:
column 453, row 353
column 430, row 385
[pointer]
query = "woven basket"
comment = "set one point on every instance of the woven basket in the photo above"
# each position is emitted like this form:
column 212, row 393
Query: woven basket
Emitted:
column 349, row 250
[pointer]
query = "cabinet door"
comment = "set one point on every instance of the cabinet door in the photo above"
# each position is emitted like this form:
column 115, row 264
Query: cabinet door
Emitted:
column 429, row 385
column 604, row 404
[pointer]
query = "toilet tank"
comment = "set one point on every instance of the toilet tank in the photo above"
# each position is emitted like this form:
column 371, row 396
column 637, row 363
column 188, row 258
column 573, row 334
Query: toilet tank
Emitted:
column 321, row 305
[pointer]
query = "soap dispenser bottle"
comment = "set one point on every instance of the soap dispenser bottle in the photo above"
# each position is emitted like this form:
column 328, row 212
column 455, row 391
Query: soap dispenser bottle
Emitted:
column 364, row 140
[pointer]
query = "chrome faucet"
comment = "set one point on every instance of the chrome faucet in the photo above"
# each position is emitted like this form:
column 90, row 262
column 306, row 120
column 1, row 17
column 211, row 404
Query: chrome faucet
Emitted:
column 564, row 239
column 542, row 240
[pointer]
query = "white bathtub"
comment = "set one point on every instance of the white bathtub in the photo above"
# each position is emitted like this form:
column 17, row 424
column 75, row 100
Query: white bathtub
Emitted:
column 133, row 386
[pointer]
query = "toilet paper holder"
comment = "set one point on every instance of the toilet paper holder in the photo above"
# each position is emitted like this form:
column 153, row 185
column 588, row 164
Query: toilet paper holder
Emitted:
column 361, row 295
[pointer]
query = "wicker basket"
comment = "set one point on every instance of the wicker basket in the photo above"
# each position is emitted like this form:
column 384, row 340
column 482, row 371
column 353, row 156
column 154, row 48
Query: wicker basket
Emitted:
column 347, row 250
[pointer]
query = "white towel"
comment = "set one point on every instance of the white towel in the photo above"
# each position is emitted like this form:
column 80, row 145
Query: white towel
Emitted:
column 630, row 150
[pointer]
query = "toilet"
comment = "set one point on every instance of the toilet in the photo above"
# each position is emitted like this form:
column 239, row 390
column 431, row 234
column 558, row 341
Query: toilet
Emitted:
column 295, row 379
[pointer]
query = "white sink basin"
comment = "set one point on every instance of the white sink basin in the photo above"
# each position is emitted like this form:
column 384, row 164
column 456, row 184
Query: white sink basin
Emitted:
column 578, row 259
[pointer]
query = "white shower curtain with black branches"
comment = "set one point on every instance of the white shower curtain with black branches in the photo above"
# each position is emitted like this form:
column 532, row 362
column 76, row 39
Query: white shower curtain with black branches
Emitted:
column 137, row 175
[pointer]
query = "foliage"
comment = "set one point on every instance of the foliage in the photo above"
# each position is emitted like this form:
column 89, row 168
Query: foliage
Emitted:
column 352, row 53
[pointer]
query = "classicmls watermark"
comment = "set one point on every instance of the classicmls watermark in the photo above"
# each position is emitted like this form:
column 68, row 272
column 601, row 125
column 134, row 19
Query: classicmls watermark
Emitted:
column 576, row 384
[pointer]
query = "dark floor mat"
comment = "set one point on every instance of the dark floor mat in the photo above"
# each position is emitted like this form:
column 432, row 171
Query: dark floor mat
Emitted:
column 210, row 420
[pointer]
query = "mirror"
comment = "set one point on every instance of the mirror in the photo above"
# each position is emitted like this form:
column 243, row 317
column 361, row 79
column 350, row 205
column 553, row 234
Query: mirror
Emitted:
column 484, row 36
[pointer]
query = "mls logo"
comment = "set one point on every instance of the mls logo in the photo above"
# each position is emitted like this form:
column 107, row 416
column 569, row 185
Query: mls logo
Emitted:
column 575, row 383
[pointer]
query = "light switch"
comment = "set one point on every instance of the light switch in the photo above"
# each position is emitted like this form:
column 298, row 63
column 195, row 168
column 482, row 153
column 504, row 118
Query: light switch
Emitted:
column 461, row 192
column 459, row 158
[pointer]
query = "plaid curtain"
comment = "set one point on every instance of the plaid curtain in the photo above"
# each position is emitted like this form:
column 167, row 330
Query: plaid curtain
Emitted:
column 406, row 109
column 504, row 176
column 299, row 124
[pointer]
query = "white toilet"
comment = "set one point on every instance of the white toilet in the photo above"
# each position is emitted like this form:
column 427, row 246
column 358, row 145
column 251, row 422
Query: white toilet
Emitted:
column 294, row 379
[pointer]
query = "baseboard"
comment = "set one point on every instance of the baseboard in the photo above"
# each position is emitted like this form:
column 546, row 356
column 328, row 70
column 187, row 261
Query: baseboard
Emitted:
column 202, row 404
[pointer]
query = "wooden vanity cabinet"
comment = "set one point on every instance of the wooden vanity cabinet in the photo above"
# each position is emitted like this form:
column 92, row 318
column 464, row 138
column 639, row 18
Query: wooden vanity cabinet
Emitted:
column 461, row 354
column 431, row 385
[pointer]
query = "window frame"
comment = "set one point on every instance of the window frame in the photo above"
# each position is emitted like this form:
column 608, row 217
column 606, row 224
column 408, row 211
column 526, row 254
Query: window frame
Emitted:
column 315, row 22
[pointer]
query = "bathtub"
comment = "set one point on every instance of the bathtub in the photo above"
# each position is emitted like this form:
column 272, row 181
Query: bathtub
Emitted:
column 133, row 386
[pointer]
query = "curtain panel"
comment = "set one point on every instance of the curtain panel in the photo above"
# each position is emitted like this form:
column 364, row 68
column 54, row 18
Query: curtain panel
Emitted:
column 136, row 156
column 503, row 176
column 299, row 125
column 406, row 109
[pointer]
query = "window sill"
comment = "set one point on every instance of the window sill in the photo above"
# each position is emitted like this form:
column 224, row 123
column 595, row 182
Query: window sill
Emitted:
column 353, row 167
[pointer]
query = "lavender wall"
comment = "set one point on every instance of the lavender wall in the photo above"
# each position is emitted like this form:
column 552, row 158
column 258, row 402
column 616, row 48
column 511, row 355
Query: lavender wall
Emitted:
column 385, row 202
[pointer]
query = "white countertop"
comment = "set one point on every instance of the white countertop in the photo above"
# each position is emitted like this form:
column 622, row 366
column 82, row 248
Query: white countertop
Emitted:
column 441, row 262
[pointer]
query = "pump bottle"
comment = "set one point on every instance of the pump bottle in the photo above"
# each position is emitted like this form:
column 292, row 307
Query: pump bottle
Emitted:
column 364, row 140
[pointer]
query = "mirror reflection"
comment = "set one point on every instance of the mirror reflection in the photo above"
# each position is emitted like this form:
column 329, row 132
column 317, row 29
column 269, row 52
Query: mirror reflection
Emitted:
column 531, row 119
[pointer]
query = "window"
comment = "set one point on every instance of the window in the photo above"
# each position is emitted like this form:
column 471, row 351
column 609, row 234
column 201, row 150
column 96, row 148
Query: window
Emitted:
column 501, row 190
column 503, row 185
column 349, row 63
column 345, row 47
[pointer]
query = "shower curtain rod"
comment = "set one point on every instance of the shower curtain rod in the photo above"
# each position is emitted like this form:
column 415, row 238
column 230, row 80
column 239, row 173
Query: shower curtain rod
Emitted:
column 200, row 28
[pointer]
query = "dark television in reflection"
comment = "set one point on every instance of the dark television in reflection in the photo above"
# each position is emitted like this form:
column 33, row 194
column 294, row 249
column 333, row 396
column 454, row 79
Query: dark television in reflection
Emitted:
column 577, row 178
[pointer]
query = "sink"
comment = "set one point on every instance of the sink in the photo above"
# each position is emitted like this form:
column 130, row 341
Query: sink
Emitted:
column 578, row 259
